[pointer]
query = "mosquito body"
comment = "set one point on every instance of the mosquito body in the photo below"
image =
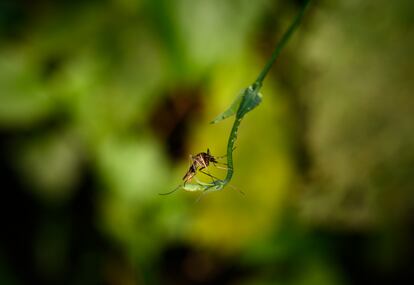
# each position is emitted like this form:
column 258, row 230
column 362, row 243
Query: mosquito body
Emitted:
column 199, row 162
column 192, row 171
column 203, row 159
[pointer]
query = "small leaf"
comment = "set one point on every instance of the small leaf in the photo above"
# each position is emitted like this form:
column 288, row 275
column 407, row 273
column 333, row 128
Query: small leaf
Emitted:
column 251, row 99
column 230, row 111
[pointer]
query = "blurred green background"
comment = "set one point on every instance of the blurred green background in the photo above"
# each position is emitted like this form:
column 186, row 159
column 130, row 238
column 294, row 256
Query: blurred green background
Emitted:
column 101, row 103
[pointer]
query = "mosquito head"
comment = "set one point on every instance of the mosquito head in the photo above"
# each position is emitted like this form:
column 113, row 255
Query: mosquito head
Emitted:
column 210, row 157
column 207, row 157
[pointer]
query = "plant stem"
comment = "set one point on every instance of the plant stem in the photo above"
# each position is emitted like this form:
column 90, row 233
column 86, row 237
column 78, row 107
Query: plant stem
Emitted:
column 256, row 87
column 286, row 36
column 230, row 148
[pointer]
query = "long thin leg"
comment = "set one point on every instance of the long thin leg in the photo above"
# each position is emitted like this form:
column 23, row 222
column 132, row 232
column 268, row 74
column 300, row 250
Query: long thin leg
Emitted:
column 240, row 191
column 219, row 167
column 202, row 194
column 168, row 193
column 208, row 174
column 222, row 156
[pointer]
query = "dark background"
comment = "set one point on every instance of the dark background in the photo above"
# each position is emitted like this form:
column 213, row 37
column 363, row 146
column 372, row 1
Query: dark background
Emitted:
column 102, row 102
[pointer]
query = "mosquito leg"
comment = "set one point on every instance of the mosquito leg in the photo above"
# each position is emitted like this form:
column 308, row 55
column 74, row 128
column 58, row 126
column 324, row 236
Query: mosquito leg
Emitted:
column 222, row 156
column 240, row 191
column 208, row 174
column 220, row 167
column 202, row 195
column 168, row 193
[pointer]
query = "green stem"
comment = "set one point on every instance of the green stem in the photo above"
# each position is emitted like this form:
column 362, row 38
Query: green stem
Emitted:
column 230, row 148
column 255, row 88
column 280, row 45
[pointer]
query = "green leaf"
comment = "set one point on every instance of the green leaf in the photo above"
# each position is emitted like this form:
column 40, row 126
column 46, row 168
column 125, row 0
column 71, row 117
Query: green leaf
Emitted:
column 230, row 111
column 251, row 99
column 245, row 102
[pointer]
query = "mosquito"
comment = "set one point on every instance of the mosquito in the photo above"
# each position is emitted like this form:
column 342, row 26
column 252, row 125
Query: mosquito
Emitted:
column 201, row 161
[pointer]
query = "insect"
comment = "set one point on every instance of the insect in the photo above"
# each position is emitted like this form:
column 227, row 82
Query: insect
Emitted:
column 192, row 171
column 244, row 103
column 199, row 162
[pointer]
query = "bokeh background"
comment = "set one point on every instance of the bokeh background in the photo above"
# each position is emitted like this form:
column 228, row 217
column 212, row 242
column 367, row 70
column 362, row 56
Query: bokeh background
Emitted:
column 101, row 103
